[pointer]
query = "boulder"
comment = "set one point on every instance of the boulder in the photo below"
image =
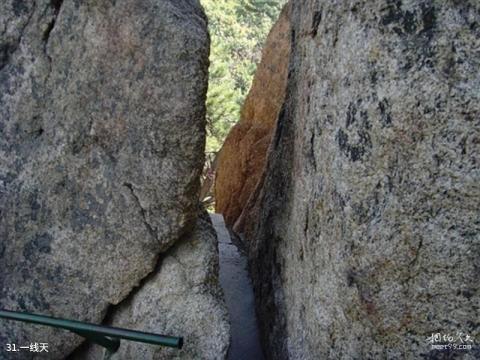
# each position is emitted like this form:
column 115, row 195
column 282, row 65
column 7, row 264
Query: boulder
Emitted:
column 367, row 237
column 102, row 131
column 179, row 299
column 241, row 160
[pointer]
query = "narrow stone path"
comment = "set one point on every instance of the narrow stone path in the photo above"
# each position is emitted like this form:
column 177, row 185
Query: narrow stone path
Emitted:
column 237, row 287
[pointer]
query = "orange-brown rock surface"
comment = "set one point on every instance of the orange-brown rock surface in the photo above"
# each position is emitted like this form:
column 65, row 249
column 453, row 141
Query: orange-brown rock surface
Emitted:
column 241, row 160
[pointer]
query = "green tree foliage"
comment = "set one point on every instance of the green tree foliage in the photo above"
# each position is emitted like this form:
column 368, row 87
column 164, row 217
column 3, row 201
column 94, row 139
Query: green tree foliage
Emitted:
column 238, row 29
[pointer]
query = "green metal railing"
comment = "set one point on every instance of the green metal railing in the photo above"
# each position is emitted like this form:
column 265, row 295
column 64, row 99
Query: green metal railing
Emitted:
column 106, row 336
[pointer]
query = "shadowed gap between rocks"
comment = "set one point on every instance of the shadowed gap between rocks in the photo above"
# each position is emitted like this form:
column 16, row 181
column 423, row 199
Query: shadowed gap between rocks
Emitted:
column 238, row 291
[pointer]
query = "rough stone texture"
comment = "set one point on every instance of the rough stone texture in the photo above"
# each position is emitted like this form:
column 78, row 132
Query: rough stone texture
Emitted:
column 101, row 148
column 180, row 299
column 241, row 160
column 368, row 241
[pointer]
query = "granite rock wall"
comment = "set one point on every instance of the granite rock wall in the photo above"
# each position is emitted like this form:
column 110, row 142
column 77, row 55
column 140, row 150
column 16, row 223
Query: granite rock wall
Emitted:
column 367, row 236
column 102, row 133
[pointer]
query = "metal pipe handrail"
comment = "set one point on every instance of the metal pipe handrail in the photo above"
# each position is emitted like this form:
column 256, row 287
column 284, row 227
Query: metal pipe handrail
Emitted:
column 106, row 336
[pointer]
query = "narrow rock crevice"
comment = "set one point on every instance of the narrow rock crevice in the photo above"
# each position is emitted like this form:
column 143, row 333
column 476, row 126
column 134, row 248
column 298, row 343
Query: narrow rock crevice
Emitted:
column 238, row 291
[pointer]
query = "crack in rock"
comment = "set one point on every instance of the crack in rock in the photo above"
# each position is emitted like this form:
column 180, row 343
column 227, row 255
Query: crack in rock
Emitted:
column 107, row 318
column 57, row 5
column 143, row 213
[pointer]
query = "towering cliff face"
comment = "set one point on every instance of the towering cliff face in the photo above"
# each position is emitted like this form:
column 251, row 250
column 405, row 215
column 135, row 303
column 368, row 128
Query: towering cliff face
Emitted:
column 102, row 121
column 241, row 160
column 367, row 239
